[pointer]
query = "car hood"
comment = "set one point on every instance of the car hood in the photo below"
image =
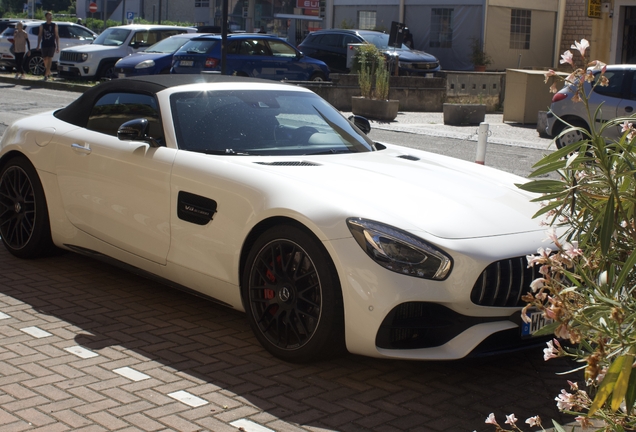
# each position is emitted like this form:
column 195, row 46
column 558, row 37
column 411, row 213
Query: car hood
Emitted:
column 443, row 196
column 134, row 59
column 90, row 48
column 415, row 56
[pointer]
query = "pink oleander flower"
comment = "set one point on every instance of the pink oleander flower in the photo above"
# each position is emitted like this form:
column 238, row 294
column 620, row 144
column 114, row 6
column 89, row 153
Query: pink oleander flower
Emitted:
column 491, row 419
column 534, row 421
column 603, row 81
column 548, row 74
column 567, row 57
column 589, row 76
column 562, row 332
column 511, row 419
column 554, row 88
column 552, row 235
column 573, row 385
column 537, row 284
column 598, row 65
column 576, row 98
column 572, row 249
column 565, row 401
column 551, row 351
column 584, row 422
column 524, row 314
column 582, row 46
column 626, row 126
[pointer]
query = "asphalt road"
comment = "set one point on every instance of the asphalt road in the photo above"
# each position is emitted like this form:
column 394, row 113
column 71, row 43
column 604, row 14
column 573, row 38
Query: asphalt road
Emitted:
column 184, row 344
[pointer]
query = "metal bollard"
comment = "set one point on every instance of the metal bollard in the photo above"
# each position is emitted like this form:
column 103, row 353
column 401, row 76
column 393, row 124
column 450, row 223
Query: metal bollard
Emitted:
column 482, row 140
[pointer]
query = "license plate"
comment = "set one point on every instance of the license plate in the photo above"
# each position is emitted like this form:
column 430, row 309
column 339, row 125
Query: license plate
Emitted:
column 429, row 75
column 186, row 63
column 65, row 68
column 537, row 322
column 121, row 75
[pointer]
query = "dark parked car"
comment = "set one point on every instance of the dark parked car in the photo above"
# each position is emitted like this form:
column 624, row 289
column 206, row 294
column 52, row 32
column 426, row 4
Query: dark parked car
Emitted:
column 331, row 46
column 153, row 60
column 253, row 55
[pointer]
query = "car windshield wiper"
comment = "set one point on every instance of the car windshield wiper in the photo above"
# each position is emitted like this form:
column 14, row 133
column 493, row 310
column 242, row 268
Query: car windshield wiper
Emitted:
column 329, row 151
column 226, row 152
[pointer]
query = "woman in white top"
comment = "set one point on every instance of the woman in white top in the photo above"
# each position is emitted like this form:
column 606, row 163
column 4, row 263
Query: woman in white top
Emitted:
column 20, row 44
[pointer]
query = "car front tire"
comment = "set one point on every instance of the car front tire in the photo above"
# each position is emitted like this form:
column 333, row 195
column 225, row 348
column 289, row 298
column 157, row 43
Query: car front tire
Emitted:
column 317, row 76
column 292, row 296
column 107, row 71
column 24, row 219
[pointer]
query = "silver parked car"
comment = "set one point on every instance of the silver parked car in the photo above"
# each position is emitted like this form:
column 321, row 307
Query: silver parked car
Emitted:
column 618, row 99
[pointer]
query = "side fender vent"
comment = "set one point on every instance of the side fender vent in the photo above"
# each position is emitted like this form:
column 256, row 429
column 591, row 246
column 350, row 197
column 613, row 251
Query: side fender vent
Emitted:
column 290, row 163
column 409, row 157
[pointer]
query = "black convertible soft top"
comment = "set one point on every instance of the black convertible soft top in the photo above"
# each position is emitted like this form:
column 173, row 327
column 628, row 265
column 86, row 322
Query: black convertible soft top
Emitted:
column 78, row 111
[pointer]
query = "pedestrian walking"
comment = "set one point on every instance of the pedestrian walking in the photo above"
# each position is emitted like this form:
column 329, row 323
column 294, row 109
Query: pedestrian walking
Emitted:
column 50, row 43
column 20, row 45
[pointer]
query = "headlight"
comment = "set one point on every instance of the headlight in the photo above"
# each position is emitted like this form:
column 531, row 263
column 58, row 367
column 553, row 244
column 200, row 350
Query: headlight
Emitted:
column 84, row 56
column 399, row 251
column 145, row 64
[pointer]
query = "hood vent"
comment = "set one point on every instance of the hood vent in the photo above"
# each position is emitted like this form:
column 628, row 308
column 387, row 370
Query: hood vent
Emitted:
column 289, row 163
column 409, row 157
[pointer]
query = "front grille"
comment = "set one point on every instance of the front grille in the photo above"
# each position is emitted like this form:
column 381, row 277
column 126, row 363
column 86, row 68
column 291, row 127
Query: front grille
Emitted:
column 503, row 283
column 415, row 325
column 423, row 66
column 71, row 57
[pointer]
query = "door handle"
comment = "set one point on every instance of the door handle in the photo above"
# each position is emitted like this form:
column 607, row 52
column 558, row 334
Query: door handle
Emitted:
column 629, row 109
column 81, row 148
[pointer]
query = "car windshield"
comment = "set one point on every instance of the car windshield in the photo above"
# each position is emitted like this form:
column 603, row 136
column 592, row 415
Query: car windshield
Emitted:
column 8, row 32
column 197, row 46
column 112, row 37
column 167, row 46
column 262, row 122
column 380, row 40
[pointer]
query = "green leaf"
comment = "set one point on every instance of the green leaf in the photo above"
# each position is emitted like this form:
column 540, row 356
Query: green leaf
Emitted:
column 607, row 385
column 630, row 395
column 607, row 228
column 627, row 268
column 622, row 383
column 546, row 330
column 542, row 186
column 557, row 427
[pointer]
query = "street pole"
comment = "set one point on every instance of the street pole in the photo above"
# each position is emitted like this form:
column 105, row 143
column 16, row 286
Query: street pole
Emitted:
column 224, row 38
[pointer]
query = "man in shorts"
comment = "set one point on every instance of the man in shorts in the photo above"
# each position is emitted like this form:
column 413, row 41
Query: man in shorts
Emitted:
column 50, row 43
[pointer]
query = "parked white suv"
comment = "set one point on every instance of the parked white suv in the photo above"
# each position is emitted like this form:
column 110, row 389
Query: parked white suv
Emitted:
column 70, row 35
column 97, row 60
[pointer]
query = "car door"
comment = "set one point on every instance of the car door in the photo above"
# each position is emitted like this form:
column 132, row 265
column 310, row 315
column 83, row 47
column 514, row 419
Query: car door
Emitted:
column 286, row 60
column 612, row 100
column 118, row 191
column 255, row 59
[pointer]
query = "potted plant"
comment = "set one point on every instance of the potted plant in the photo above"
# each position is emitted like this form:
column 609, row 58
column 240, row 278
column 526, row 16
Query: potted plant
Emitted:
column 479, row 57
column 373, row 79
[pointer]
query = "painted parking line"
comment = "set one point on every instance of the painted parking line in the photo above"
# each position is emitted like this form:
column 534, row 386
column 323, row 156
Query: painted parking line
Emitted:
column 36, row 332
column 249, row 426
column 4, row 316
column 81, row 352
column 188, row 398
column 131, row 374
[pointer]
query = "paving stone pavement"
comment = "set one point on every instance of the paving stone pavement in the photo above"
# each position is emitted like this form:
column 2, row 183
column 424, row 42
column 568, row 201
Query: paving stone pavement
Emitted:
column 89, row 347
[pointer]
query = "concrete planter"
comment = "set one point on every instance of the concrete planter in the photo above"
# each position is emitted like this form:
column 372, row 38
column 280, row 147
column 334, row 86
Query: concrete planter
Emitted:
column 464, row 114
column 385, row 110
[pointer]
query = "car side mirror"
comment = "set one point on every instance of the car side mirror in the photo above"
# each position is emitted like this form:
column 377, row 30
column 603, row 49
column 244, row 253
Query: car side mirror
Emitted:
column 136, row 130
column 361, row 123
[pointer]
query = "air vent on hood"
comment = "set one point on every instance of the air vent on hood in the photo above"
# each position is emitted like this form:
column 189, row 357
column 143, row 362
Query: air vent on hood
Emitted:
column 289, row 163
column 409, row 157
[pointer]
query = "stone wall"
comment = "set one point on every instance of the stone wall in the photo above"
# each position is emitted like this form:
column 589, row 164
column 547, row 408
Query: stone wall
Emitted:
column 421, row 94
column 576, row 26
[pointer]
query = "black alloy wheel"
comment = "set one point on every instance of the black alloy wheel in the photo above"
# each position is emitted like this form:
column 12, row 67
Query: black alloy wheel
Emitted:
column 292, row 296
column 35, row 64
column 24, row 221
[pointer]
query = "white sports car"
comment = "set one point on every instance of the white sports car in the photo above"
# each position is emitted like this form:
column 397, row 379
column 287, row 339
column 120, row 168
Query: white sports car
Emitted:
column 263, row 197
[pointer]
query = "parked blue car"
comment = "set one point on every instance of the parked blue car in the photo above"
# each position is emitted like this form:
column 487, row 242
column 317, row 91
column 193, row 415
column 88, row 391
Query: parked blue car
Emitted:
column 155, row 59
column 252, row 55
